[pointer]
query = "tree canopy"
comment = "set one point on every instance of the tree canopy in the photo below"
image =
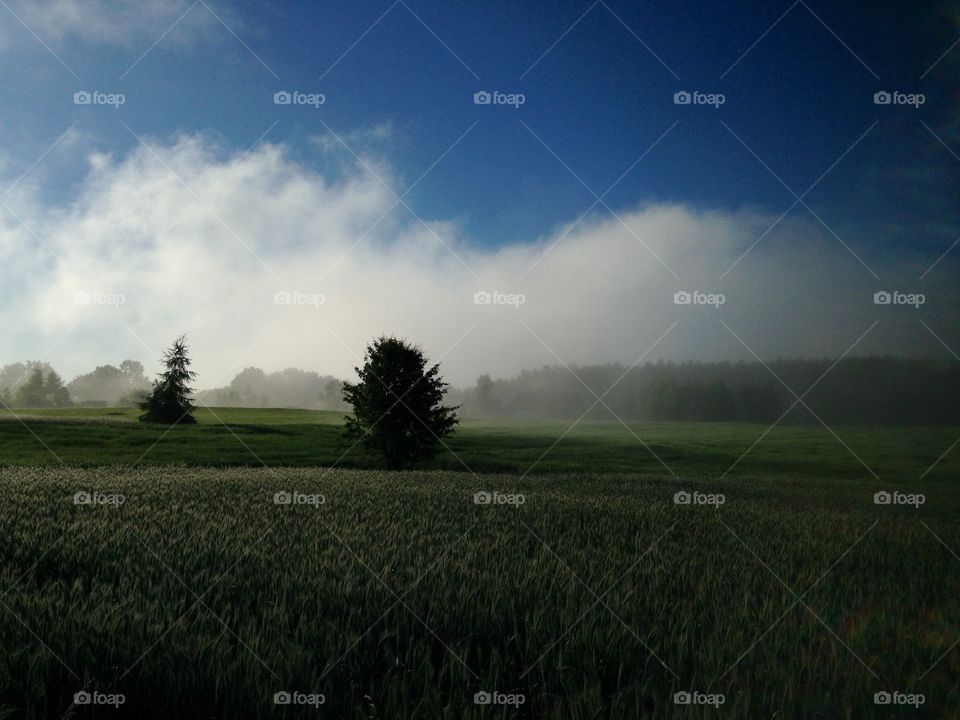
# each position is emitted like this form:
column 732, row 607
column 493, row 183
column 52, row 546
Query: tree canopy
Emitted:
column 398, row 409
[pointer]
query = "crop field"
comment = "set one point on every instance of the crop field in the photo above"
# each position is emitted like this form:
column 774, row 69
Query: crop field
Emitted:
column 782, row 590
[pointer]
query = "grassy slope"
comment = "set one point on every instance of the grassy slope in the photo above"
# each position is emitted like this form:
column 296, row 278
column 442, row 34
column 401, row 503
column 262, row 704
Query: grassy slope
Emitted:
column 237, row 436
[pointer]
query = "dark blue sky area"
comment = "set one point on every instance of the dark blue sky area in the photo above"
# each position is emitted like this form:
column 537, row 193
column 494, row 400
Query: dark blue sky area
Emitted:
column 798, row 81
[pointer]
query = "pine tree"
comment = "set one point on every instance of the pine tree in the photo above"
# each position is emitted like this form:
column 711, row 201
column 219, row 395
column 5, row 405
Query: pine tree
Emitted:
column 170, row 401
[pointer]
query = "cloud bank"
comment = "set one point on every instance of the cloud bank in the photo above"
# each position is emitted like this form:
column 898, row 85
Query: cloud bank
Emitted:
column 265, row 261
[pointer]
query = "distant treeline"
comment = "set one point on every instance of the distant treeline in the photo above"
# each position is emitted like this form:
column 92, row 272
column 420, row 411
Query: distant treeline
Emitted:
column 37, row 384
column 253, row 387
column 856, row 390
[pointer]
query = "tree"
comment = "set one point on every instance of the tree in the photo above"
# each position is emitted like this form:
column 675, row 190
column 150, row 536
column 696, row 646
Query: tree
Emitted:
column 486, row 403
column 31, row 393
column 397, row 404
column 11, row 378
column 55, row 394
column 170, row 401
column 132, row 372
column 15, row 375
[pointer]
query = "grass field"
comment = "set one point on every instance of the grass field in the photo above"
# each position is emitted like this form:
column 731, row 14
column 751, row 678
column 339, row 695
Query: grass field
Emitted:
column 396, row 595
column 301, row 438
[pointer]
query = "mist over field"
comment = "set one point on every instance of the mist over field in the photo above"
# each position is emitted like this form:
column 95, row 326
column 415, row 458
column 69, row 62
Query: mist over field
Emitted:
column 308, row 268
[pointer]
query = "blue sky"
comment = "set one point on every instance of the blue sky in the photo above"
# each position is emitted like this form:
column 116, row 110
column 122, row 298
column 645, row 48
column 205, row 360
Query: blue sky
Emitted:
column 599, row 98
column 598, row 80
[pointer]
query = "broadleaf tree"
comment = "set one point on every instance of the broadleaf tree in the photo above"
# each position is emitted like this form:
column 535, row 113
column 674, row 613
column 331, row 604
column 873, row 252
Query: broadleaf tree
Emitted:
column 170, row 401
column 398, row 409
column 32, row 393
column 55, row 393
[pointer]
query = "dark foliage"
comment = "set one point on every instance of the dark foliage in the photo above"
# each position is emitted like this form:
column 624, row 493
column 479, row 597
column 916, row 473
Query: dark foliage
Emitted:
column 170, row 402
column 398, row 409
column 873, row 390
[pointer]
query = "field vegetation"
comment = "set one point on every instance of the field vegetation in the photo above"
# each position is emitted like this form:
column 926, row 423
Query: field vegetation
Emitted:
column 197, row 581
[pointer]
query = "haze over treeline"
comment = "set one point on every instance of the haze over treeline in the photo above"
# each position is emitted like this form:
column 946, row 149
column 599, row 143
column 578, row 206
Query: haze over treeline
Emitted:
column 105, row 385
column 291, row 387
column 853, row 390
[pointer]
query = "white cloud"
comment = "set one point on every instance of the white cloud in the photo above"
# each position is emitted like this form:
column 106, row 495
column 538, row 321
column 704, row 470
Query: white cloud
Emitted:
column 266, row 224
column 125, row 23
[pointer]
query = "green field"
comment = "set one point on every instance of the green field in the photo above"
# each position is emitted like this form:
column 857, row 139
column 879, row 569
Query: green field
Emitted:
column 398, row 596
column 303, row 438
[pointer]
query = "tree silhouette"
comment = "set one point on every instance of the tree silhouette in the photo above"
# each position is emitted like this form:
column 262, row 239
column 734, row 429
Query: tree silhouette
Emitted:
column 170, row 402
column 397, row 404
